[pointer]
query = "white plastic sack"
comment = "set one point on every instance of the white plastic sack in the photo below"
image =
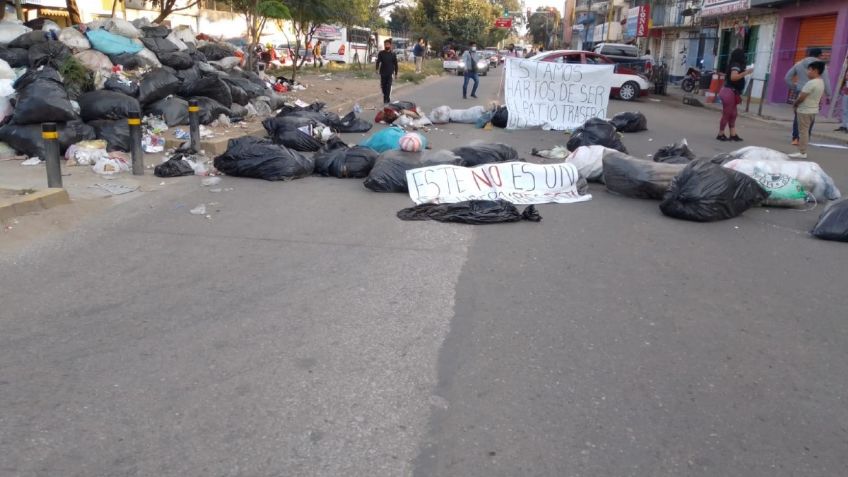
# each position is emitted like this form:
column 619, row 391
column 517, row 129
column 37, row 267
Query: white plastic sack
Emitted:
column 122, row 27
column 108, row 166
column 11, row 30
column 96, row 24
column 757, row 153
column 227, row 63
column 6, row 71
column 589, row 161
column 74, row 39
column 808, row 174
column 149, row 58
column 184, row 33
column 95, row 61
column 173, row 38
column 467, row 116
column 441, row 115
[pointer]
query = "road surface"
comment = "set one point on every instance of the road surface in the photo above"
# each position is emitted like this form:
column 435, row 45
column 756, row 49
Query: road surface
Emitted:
column 303, row 330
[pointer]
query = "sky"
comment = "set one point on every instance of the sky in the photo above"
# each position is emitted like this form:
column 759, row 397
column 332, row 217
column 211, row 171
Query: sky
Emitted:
column 534, row 4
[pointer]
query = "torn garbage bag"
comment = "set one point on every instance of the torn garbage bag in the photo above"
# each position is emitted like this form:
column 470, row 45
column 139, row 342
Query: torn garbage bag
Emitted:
column 776, row 176
column 121, row 85
column 596, row 132
column 295, row 133
column 26, row 139
column 261, row 159
column 175, row 166
column 477, row 154
column 475, row 212
column 641, row 179
column 706, row 192
column 344, row 162
column 833, row 223
column 157, row 84
column 351, row 124
column 104, row 104
column 172, row 110
column 630, row 122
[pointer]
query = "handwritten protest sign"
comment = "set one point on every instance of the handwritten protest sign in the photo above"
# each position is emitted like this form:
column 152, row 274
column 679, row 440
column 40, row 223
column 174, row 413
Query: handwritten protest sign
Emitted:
column 516, row 182
column 558, row 96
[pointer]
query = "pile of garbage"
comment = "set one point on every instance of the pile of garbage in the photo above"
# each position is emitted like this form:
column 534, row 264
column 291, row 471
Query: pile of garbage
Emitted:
column 89, row 77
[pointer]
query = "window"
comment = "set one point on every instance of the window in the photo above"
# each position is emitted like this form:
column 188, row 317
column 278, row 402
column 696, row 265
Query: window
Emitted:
column 596, row 60
column 218, row 5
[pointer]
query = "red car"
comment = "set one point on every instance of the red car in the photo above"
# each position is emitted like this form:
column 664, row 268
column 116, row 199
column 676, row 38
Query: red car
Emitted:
column 627, row 83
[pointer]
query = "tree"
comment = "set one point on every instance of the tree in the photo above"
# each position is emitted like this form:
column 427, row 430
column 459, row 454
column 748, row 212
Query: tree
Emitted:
column 306, row 16
column 167, row 7
column 401, row 18
column 256, row 14
column 543, row 25
column 73, row 12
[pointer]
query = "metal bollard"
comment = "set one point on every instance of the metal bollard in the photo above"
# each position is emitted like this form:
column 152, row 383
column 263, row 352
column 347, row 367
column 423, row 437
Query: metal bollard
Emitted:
column 194, row 124
column 50, row 135
column 134, row 122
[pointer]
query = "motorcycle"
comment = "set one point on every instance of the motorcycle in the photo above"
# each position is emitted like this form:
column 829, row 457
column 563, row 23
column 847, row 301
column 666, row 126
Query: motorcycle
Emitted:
column 692, row 79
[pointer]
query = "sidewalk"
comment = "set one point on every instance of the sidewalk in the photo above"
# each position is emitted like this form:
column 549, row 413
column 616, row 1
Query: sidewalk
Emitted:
column 771, row 113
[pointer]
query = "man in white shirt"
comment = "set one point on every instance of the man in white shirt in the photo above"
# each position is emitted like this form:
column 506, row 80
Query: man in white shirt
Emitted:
column 807, row 106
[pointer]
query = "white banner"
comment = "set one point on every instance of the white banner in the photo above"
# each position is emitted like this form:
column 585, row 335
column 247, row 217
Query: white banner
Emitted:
column 552, row 95
column 516, row 182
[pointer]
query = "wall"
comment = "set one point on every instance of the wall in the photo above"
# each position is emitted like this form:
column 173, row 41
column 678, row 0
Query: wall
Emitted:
column 787, row 37
column 765, row 44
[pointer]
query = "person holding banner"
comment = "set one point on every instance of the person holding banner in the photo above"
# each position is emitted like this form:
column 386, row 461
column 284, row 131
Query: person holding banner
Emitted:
column 469, row 59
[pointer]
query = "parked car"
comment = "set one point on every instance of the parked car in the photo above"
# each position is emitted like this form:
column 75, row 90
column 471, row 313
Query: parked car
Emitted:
column 458, row 66
column 627, row 84
column 623, row 54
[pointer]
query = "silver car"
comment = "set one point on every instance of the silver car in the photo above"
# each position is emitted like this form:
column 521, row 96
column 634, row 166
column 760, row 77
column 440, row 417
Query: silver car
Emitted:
column 482, row 66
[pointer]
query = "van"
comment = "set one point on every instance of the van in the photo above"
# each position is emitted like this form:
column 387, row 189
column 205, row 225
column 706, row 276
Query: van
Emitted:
column 617, row 49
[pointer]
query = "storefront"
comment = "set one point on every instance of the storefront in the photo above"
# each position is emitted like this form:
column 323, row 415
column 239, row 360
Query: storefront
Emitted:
column 802, row 27
column 753, row 31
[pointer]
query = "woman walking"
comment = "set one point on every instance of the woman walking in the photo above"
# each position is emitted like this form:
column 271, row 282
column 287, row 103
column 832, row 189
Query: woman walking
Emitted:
column 731, row 94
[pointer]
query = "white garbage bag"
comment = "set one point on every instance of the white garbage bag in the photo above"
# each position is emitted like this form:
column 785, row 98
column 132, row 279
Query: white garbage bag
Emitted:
column 6, row 71
column 122, row 27
column 184, row 33
column 6, row 92
column 467, row 116
column 758, row 153
column 589, row 161
column 74, row 39
column 9, row 30
column 775, row 174
column 441, row 115
column 149, row 58
column 94, row 60
column 173, row 38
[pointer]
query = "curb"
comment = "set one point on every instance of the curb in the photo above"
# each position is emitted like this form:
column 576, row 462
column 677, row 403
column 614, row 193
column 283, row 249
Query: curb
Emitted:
column 40, row 200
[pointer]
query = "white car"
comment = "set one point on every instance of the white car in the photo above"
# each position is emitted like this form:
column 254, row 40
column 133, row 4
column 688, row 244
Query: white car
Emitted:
column 627, row 84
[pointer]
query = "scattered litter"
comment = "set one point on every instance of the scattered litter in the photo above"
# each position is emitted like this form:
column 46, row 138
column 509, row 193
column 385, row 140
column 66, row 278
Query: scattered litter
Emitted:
column 152, row 143
column 830, row 146
column 109, row 166
column 210, row 181
column 32, row 161
column 114, row 189
column 199, row 210
column 471, row 212
column 181, row 134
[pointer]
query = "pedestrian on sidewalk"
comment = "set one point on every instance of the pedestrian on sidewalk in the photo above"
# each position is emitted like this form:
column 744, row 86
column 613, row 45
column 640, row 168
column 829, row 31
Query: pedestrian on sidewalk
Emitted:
column 807, row 106
column 469, row 59
column 387, row 66
column 844, row 90
column 796, row 78
column 731, row 94
column 418, row 52
column 316, row 53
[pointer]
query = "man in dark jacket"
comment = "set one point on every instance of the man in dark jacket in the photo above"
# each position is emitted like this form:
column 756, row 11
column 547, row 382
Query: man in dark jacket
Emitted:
column 387, row 65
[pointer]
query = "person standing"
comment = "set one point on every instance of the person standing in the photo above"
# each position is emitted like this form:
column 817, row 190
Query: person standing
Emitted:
column 469, row 59
column 418, row 52
column 807, row 106
column 387, row 66
column 316, row 54
column 796, row 78
column 731, row 94
column 844, row 90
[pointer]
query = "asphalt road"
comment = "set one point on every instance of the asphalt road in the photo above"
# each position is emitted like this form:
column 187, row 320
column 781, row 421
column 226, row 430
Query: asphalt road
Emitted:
column 303, row 330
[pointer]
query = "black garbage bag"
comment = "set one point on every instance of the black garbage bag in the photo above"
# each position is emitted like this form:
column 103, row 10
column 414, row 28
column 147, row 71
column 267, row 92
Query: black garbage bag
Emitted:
column 641, row 179
column 286, row 131
column 343, row 162
column 173, row 110
column 16, row 57
column 157, row 84
column 210, row 109
column 210, row 87
column 389, row 171
column 239, row 95
column 42, row 98
column 175, row 166
column 476, row 212
column 833, row 223
column 105, row 104
column 178, row 60
column 49, row 53
column 630, row 122
column 117, row 84
column 501, row 117
column 324, row 117
column 238, row 112
column 261, row 159
column 129, row 61
column 188, row 74
column 287, row 109
column 159, row 45
column 196, row 55
column 116, row 133
column 26, row 138
column 251, row 88
column 27, row 40
column 705, row 192
column 479, row 154
column 402, row 105
column 351, row 124
column 36, row 23
column 596, row 131
column 215, row 51
column 677, row 153
column 155, row 31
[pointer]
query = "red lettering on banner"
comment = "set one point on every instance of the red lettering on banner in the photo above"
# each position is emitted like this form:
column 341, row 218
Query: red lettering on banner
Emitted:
column 484, row 179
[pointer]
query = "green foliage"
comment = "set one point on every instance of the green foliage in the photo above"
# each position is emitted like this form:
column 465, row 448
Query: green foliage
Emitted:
column 77, row 78
column 273, row 9
column 543, row 26
column 401, row 18
column 460, row 20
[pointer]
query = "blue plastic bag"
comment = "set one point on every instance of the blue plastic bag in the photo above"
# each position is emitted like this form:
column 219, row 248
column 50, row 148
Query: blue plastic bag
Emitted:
column 385, row 140
column 111, row 44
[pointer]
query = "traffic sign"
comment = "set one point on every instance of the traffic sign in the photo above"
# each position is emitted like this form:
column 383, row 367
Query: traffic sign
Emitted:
column 503, row 23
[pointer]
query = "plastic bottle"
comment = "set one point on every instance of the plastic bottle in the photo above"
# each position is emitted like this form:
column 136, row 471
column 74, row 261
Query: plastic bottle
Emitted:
column 357, row 109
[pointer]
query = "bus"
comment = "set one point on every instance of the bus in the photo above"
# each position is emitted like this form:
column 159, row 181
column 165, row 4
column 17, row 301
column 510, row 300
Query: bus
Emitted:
column 348, row 45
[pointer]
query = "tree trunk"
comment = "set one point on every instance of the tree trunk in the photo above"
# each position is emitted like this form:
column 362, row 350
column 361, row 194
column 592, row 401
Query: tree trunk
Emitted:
column 2, row 9
column 73, row 12
column 114, row 7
